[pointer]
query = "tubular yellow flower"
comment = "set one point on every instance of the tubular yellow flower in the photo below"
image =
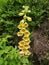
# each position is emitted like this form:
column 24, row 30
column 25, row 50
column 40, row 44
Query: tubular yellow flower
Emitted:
column 27, row 33
column 28, row 53
column 20, row 34
column 21, row 26
column 25, row 24
column 22, row 22
column 21, row 14
column 26, row 46
column 23, row 30
column 21, row 43
column 29, row 18
column 24, row 50
column 27, row 42
column 25, row 38
column 21, row 47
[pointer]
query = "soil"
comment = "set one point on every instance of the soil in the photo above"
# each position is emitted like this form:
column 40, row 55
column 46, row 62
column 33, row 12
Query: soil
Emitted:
column 40, row 42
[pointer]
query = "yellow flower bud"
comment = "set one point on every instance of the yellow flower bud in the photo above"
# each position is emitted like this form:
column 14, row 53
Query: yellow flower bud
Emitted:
column 25, row 17
column 29, row 11
column 23, row 6
column 21, row 14
column 23, row 11
column 29, row 18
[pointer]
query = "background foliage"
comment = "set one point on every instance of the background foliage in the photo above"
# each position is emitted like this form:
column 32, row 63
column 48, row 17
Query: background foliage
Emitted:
column 9, row 21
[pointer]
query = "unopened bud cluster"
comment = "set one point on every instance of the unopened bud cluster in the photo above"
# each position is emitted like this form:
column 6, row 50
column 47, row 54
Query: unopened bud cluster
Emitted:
column 23, row 25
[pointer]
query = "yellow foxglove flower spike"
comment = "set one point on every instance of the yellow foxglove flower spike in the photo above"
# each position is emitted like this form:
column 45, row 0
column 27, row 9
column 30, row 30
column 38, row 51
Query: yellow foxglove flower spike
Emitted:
column 24, row 43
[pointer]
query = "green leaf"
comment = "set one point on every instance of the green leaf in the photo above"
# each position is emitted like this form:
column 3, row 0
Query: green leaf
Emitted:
column 1, row 61
column 32, row 23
